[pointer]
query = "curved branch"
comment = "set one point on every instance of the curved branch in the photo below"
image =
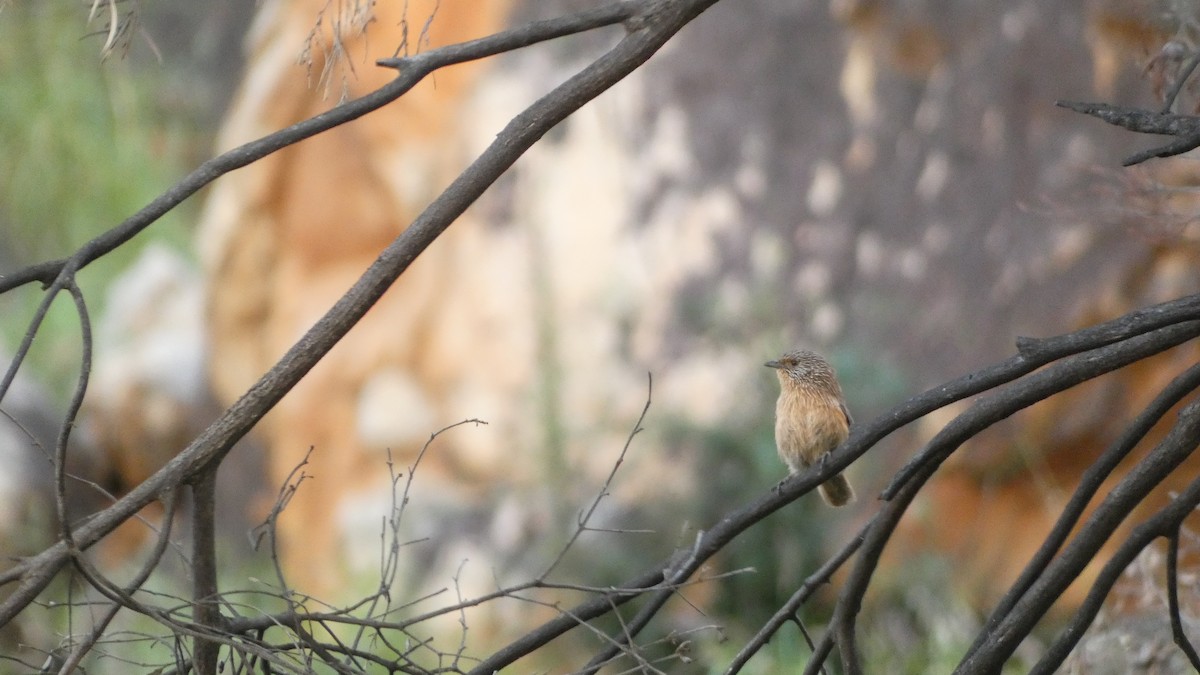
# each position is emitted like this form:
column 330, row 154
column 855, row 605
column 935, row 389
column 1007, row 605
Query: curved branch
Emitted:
column 983, row 414
column 1161, row 524
column 1091, row 481
column 1128, row 338
column 790, row 608
column 650, row 24
column 160, row 547
column 1174, row 449
column 1186, row 128
column 1172, row 580
column 68, row 424
column 410, row 71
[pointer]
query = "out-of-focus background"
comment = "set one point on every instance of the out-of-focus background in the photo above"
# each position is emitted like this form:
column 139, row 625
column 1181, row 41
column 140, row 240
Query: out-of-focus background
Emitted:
column 888, row 183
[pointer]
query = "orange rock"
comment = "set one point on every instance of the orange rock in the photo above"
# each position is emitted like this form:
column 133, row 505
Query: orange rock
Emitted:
column 284, row 238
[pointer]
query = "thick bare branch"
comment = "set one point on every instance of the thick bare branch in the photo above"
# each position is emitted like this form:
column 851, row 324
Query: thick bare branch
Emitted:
column 1179, row 443
column 1091, row 481
column 1128, row 339
column 411, row 71
column 1160, row 525
column 986, row 412
column 650, row 24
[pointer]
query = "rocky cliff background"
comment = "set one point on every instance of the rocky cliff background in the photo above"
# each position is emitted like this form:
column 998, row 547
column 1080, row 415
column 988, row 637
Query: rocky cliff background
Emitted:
column 887, row 183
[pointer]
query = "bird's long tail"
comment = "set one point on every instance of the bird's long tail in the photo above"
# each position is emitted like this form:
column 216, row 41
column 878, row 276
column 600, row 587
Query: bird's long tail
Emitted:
column 836, row 491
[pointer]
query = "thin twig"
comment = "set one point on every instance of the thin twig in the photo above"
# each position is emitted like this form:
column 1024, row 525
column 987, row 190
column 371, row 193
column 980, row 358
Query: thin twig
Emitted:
column 64, row 430
column 652, row 23
column 790, row 609
column 160, row 547
column 1181, row 79
column 586, row 517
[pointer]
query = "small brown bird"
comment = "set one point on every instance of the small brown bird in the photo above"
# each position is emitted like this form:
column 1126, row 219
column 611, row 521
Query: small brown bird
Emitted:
column 811, row 417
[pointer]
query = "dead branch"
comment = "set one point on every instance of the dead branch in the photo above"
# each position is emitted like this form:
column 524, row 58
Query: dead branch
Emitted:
column 1186, row 128
column 649, row 24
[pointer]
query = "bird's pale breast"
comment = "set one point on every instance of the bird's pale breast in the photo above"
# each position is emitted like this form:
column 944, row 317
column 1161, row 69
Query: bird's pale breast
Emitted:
column 808, row 424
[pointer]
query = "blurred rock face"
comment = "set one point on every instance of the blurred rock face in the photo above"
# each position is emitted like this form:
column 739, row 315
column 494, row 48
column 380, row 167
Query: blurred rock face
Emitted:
column 889, row 184
column 147, row 396
column 285, row 239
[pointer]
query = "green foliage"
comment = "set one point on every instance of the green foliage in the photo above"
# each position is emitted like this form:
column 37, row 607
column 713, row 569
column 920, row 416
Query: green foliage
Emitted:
column 740, row 462
column 85, row 149
column 869, row 383
column 787, row 652
column 917, row 623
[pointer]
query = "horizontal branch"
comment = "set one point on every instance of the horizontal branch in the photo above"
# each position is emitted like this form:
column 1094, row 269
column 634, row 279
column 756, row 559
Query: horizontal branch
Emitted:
column 517, row 38
column 1162, row 317
column 1137, row 119
column 411, row 71
column 1186, row 128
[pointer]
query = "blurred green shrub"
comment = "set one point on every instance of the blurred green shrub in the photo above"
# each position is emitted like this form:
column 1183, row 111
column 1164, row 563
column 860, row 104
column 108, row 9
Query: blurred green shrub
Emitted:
column 86, row 145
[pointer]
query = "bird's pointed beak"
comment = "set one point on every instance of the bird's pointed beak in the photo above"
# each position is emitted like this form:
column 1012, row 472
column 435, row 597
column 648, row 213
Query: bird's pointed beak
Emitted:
column 771, row 364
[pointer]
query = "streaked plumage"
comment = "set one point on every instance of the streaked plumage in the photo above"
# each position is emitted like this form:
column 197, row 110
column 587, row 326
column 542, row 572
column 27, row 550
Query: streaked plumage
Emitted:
column 810, row 417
